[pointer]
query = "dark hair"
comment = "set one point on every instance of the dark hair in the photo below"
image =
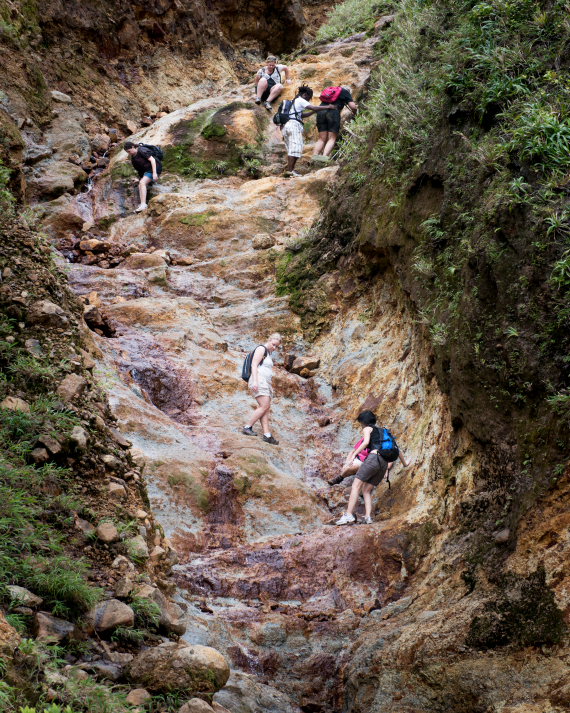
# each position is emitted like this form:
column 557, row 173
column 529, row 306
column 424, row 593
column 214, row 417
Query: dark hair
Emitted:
column 366, row 418
column 129, row 145
column 307, row 91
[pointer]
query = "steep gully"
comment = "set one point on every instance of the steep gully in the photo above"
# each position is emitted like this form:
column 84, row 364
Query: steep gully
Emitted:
column 262, row 575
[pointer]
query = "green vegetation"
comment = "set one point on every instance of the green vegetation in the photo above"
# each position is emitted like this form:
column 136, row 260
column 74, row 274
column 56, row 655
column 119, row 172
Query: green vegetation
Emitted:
column 147, row 612
column 198, row 219
column 352, row 16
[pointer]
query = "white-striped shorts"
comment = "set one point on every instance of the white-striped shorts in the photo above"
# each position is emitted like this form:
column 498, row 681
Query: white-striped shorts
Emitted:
column 293, row 137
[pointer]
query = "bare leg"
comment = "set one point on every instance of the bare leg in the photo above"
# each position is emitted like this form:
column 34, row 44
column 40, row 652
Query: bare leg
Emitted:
column 265, row 418
column 321, row 142
column 143, row 183
column 331, row 141
column 261, row 87
column 275, row 92
column 351, row 470
column 367, row 495
column 291, row 161
column 264, row 404
column 354, row 493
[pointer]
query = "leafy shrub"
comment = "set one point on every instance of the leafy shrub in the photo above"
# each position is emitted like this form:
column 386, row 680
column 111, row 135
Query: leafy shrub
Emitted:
column 352, row 16
column 147, row 612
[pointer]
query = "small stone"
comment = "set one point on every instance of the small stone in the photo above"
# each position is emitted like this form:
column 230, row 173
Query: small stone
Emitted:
column 47, row 313
column 93, row 245
column 78, row 438
column 106, row 669
column 39, row 456
column 50, row 628
column 110, row 614
column 217, row 708
column 141, row 514
column 120, row 439
column 117, row 491
column 84, row 526
column 13, row 403
column 141, row 261
column 323, row 421
column 122, row 659
column 24, row 596
column 60, row 97
column 107, row 532
column 122, row 564
column 138, row 696
column 88, row 361
column 123, row 587
column 53, row 445
column 262, row 241
column 93, row 317
column 131, row 126
column 195, row 705
column 100, row 143
column 502, row 536
column 71, row 387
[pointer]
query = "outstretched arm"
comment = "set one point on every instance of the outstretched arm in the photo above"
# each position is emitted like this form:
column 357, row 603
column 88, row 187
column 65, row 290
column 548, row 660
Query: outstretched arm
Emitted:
column 353, row 107
column 403, row 460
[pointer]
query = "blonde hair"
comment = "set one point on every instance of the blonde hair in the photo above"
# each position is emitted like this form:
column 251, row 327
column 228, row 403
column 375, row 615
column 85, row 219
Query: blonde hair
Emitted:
column 276, row 335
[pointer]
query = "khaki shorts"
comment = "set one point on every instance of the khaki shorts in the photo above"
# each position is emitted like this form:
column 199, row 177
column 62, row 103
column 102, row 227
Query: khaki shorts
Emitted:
column 264, row 389
column 372, row 470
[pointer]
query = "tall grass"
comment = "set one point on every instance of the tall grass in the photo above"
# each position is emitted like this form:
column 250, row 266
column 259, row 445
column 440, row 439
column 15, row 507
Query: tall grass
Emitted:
column 352, row 16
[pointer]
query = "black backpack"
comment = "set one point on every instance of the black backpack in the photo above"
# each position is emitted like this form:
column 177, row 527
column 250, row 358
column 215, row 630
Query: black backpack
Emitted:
column 246, row 368
column 155, row 151
column 282, row 115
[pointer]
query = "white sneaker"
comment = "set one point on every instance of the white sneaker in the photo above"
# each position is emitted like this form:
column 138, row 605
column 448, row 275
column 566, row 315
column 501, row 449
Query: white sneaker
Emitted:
column 346, row 519
column 367, row 520
column 294, row 173
column 142, row 206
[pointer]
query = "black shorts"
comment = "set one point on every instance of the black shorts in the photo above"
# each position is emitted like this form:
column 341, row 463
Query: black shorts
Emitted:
column 372, row 470
column 270, row 84
column 328, row 120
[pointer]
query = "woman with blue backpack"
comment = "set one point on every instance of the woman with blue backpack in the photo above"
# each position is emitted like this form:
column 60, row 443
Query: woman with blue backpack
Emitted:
column 382, row 452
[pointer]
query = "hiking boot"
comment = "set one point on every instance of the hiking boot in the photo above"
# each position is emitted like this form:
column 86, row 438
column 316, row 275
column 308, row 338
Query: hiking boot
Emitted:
column 336, row 480
column 270, row 439
column 257, row 100
column 141, row 207
column 367, row 520
column 346, row 519
column 268, row 106
column 248, row 430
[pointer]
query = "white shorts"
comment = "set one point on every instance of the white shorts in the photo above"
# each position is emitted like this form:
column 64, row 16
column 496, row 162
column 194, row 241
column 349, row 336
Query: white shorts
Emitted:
column 294, row 138
column 264, row 389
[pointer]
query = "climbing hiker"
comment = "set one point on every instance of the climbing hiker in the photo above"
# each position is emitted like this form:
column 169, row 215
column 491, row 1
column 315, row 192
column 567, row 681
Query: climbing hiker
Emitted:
column 383, row 450
column 289, row 117
column 328, row 122
column 269, row 81
column 147, row 163
column 260, row 365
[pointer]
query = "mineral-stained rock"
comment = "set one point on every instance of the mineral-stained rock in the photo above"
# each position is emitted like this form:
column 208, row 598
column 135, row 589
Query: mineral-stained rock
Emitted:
column 243, row 693
column 140, row 261
column 93, row 317
column 305, row 362
column 195, row 705
column 71, row 387
column 50, row 628
column 138, row 696
column 100, row 143
column 107, row 532
column 24, row 596
column 47, row 313
column 15, row 404
column 173, row 666
column 93, row 245
column 110, row 614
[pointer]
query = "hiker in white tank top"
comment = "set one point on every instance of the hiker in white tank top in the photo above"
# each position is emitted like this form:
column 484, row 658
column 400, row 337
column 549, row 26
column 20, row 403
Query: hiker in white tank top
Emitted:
column 269, row 81
column 260, row 386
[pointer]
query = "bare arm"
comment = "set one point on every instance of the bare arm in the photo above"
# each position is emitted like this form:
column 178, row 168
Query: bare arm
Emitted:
column 353, row 107
column 153, row 164
column 402, row 458
column 287, row 73
column 365, row 441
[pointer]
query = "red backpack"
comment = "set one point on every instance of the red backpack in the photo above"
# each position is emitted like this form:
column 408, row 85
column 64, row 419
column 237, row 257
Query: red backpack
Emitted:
column 330, row 94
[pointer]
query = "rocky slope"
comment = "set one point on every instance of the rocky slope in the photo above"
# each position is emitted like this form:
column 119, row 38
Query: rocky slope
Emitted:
column 455, row 598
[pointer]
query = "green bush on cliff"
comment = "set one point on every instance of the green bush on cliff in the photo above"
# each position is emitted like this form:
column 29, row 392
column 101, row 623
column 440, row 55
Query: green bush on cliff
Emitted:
column 352, row 16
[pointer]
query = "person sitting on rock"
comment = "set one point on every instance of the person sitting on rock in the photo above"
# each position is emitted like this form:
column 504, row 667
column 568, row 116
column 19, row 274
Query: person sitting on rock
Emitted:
column 147, row 166
column 328, row 123
column 292, row 131
column 371, row 472
column 260, row 385
column 269, row 82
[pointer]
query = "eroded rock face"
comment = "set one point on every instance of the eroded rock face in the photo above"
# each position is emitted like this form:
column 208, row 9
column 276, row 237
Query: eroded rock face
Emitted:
column 171, row 666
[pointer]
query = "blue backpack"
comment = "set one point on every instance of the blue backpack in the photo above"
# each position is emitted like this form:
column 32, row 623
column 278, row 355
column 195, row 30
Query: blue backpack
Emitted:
column 388, row 448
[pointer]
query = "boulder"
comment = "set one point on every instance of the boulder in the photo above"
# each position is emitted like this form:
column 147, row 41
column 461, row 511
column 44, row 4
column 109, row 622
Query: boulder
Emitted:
column 195, row 705
column 47, row 313
column 107, row 532
column 71, row 387
column 141, row 261
column 124, row 587
column 308, row 362
column 100, row 143
column 138, row 696
column 262, row 241
column 50, row 628
column 60, row 97
column 174, row 666
column 15, row 404
column 110, row 614
column 24, row 596
column 78, row 438
column 111, row 462
column 58, row 177
column 137, row 547
column 217, row 708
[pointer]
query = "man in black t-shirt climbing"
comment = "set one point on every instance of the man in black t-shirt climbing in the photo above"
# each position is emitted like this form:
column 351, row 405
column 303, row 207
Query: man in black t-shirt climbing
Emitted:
column 328, row 123
column 147, row 166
